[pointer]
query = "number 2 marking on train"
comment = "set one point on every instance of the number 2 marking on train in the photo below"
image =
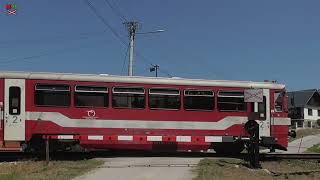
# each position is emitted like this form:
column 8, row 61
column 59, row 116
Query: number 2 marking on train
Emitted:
column 15, row 118
column 261, row 125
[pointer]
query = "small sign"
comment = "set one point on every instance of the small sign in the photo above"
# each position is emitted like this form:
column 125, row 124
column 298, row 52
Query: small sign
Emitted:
column 11, row 9
column 253, row 95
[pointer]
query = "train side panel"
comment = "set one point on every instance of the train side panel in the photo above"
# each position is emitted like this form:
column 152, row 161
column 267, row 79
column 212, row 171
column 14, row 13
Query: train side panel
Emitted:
column 111, row 128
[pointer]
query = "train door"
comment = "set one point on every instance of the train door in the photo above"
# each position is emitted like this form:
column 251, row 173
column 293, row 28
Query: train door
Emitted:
column 14, row 110
column 263, row 108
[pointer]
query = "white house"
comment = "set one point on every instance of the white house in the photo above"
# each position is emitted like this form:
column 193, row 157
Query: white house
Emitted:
column 304, row 107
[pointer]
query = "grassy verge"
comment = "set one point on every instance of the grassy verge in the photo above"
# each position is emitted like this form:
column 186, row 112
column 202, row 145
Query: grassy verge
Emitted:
column 305, row 132
column 230, row 169
column 314, row 149
column 55, row 170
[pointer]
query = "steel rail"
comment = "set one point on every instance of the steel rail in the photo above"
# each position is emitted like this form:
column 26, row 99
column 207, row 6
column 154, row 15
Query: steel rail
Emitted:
column 17, row 156
column 290, row 156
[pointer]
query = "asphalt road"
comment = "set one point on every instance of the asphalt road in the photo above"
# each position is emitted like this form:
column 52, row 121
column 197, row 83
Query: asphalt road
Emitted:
column 144, row 168
column 301, row 145
column 169, row 168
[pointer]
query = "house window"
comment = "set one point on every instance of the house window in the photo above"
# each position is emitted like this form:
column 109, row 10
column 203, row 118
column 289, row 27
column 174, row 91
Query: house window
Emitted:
column 319, row 113
column 128, row 97
column 91, row 96
column 278, row 101
column 198, row 100
column 231, row 101
column 310, row 112
column 164, row 98
column 52, row 95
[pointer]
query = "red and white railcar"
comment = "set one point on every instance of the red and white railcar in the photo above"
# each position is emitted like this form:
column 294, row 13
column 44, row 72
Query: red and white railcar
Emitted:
column 119, row 112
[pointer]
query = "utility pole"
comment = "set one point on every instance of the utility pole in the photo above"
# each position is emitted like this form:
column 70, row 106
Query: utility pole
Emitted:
column 155, row 68
column 132, row 27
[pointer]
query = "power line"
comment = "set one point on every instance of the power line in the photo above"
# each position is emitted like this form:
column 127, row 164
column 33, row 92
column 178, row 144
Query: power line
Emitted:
column 125, row 59
column 142, row 57
column 115, row 33
column 61, row 37
column 117, row 12
column 165, row 72
column 64, row 36
column 116, row 4
column 45, row 53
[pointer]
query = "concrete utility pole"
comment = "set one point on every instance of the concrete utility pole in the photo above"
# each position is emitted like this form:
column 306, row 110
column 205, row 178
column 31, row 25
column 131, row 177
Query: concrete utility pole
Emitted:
column 155, row 68
column 132, row 27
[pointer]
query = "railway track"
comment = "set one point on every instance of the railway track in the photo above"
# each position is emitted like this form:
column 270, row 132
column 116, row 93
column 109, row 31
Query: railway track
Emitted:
column 290, row 156
column 12, row 156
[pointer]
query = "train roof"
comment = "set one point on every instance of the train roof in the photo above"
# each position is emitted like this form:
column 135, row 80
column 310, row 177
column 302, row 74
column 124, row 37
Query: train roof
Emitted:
column 138, row 79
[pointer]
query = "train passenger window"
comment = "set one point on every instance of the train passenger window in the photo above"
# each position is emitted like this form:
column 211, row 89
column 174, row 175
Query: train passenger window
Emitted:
column 198, row 100
column 164, row 98
column 231, row 101
column 52, row 95
column 14, row 100
column 91, row 96
column 278, row 101
column 128, row 97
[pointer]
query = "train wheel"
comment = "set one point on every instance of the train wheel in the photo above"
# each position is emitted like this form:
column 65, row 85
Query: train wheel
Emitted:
column 228, row 148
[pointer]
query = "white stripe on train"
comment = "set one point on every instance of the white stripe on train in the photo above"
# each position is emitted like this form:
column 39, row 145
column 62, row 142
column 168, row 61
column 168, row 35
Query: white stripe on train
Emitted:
column 154, row 138
column 65, row 136
column 91, row 137
column 65, row 121
column 149, row 138
column 125, row 138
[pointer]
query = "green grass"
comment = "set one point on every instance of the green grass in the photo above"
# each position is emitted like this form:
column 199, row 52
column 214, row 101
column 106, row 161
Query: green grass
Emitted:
column 226, row 169
column 305, row 132
column 55, row 170
column 231, row 169
column 314, row 149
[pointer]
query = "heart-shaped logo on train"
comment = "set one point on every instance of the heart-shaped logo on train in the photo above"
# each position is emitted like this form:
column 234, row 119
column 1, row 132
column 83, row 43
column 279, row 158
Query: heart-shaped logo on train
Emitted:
column 91, row 113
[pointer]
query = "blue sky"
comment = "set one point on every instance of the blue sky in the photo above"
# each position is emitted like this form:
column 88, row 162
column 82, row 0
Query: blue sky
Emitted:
column 210, row 39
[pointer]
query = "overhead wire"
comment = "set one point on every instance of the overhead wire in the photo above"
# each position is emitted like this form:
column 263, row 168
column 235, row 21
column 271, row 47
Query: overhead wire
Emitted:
column 117, row 12
column 161, row 70
column 79, row 36
column 100, row 17
column 120, row 8
column 105, row 22
column 44, row 53
column 125, row 59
